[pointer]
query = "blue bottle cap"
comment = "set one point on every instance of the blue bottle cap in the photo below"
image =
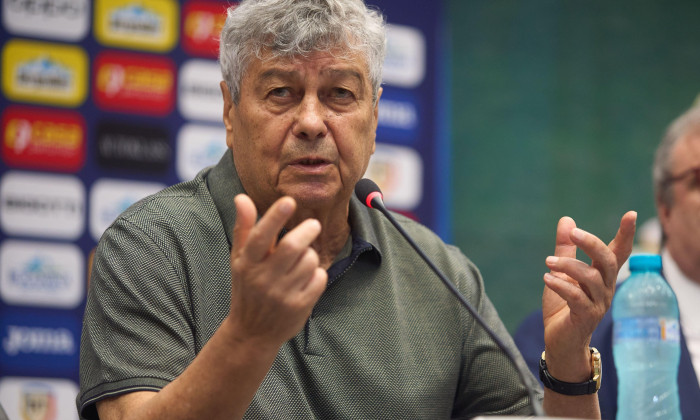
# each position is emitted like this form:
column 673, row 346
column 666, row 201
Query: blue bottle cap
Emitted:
column 645, row 262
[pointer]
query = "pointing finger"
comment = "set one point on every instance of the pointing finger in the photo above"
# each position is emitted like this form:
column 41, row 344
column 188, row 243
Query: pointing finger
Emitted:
column 263, row 236
column 296, row 243
column 564, row 247
column 624, row 239
column 245, row 220
column 601, row 257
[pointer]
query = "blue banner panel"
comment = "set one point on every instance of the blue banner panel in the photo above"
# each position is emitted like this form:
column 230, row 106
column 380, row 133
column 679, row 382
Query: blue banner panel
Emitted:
column 37, row 343
column 104, row 102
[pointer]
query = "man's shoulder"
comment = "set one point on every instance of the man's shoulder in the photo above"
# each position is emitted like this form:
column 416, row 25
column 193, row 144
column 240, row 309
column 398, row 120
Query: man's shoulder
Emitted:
column 178, row 200
column 449, row 258
column 178, row 211
column 424, row 236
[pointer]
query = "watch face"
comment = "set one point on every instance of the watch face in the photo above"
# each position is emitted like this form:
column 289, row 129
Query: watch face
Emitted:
column 597, row 366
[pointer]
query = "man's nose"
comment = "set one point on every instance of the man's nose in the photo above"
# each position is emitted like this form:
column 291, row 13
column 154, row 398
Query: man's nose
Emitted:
column 310, row 121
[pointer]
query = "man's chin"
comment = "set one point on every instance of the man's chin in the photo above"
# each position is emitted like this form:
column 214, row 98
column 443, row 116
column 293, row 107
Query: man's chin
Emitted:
column 316, row 197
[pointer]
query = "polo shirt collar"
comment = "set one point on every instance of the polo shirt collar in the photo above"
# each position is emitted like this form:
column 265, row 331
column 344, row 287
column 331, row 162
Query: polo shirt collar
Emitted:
column 362, row 223
column 224, row 184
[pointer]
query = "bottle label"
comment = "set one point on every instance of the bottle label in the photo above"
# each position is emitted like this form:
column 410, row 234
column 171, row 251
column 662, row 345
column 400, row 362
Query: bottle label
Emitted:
column 647, row 328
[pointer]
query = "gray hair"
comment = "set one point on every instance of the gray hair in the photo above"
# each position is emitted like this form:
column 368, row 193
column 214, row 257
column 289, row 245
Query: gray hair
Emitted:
column 662, row 170
column 289, row 28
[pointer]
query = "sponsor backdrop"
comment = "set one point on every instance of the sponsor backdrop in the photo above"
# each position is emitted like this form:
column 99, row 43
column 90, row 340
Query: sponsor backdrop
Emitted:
column 104, row 102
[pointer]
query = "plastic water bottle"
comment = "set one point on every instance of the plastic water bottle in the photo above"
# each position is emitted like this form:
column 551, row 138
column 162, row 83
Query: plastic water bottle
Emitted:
column 646, row 343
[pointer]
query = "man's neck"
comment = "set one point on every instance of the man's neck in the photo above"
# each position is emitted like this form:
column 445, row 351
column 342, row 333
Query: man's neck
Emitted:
column 328, row 246
column 335, row 230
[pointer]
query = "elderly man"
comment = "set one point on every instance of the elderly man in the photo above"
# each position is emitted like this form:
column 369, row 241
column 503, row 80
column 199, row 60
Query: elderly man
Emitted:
column 200, row 309
column 676, row 178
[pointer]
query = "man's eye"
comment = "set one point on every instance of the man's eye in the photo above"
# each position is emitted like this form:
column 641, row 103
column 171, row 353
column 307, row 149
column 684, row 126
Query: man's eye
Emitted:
column 282, row 92
column 342, row 93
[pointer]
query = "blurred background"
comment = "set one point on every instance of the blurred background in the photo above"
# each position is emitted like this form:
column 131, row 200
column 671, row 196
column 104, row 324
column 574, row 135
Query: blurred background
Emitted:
column 498, row 117
column 557, row 108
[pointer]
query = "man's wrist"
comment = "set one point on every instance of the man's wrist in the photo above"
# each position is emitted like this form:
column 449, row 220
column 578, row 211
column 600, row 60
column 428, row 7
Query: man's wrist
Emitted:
column 585, row 387
column 254, row 346
column 570, row 365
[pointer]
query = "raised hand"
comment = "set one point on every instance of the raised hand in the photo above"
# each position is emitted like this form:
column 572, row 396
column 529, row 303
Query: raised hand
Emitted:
column 274, row 284
column 577, row 295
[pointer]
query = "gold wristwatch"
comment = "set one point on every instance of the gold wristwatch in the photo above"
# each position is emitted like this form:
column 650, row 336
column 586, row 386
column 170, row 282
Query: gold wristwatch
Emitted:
column 591, row 386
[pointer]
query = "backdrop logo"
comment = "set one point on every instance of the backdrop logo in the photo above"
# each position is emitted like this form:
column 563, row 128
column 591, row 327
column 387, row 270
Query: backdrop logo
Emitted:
column 133, row 147
column 146, row 24
column 32, row 340
column 39, row 343
column 404, row 65
column 397, row 114
column 41, row 274
column 50, row 206
column 110, row 197
column 198, row 146
column 60, row 19
column 40, row 72
column 38, row 398
column 37, row 402
column 199, row 94
column 201, row 25
column 399, row 117
column 398, row 171
column 43, row 139
column 134, row 83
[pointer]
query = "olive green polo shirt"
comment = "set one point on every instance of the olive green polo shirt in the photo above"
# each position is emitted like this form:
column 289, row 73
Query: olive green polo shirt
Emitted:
column 385, row 340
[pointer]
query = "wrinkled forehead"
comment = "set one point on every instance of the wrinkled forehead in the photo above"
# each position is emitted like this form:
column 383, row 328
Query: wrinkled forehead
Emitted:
column 326, row 62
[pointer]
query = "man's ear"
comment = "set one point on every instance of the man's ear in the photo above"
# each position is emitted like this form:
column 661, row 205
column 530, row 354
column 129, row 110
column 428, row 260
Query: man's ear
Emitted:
column 663, row 211
column 376, row 104
column 376, row 118
column 228, row 106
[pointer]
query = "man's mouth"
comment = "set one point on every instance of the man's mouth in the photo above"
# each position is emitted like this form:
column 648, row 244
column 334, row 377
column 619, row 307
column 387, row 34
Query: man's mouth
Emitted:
column 311, row 161
column 311, row 165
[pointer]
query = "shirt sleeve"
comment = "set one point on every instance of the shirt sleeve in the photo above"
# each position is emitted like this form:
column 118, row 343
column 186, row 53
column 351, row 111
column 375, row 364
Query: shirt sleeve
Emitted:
column 137, row 332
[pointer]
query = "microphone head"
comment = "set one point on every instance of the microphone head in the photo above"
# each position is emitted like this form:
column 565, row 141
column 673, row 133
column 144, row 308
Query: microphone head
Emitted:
column 369, row 193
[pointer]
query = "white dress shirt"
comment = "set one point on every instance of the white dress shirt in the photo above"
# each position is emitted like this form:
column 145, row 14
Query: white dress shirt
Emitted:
column 688, row 295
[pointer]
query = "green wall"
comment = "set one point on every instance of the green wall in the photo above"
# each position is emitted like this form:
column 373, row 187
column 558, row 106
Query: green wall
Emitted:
column 557, row 107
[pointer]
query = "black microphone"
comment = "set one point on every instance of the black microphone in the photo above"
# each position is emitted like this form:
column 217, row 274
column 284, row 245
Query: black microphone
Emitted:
column 369, row 193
